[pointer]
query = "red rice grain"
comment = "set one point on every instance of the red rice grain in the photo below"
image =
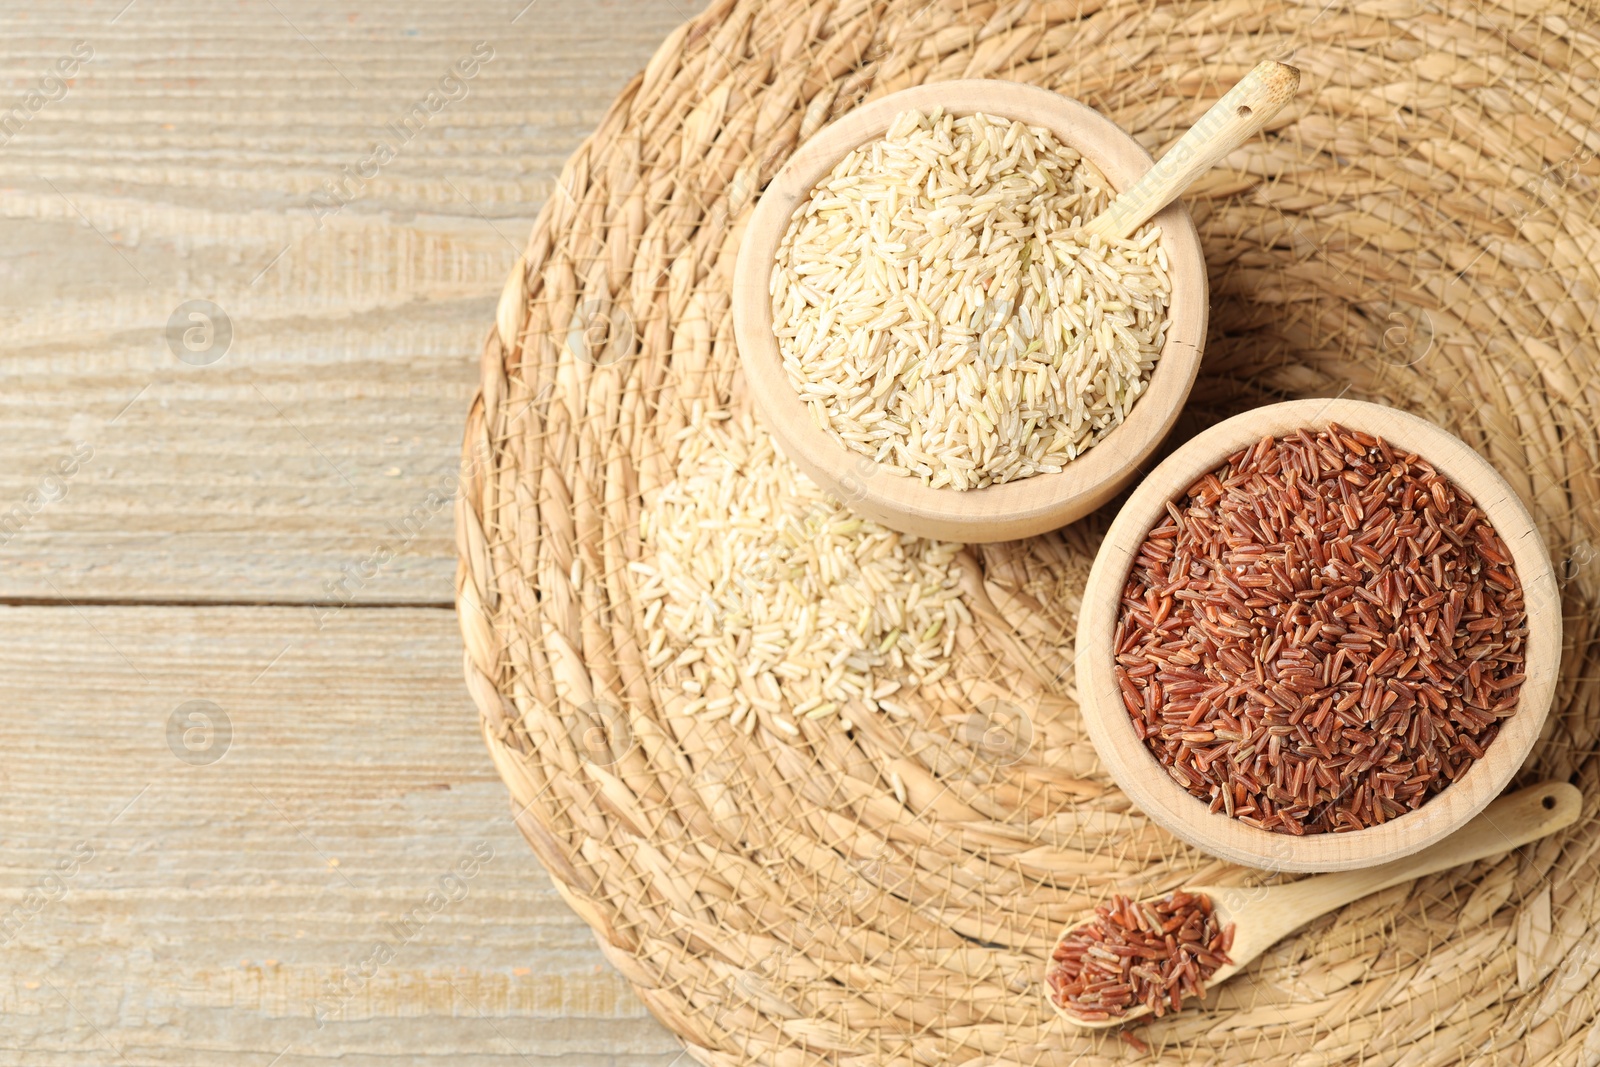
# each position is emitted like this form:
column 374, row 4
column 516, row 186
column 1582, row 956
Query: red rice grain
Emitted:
column 1152, row 953
column 1133, row 1041
column 1321, row 635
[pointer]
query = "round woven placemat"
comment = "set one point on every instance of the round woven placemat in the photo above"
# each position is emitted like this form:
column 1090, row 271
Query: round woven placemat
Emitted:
column 1418, row 228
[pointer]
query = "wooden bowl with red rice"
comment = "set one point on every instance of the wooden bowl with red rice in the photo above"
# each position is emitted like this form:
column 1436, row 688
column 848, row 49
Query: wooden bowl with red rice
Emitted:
column 1320, row 635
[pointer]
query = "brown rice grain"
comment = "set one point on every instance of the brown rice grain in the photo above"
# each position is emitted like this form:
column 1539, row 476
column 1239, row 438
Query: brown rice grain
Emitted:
column 939, row 308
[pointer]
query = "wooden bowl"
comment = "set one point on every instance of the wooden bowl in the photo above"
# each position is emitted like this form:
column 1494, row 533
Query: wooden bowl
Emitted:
column 1145, row 779
column 997, row 512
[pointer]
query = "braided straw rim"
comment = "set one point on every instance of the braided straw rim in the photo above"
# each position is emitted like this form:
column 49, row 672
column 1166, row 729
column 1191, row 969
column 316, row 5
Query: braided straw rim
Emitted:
column 1419, row 228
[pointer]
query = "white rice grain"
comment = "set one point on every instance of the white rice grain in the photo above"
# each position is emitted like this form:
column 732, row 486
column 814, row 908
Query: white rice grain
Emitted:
column 769, row 600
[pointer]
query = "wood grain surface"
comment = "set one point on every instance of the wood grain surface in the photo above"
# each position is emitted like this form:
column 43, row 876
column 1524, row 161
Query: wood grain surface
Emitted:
column 175, row 530
column 181, row 164
column 178, row 890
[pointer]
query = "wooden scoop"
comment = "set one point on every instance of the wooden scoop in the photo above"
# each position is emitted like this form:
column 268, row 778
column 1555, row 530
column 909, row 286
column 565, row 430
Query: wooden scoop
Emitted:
column 1262, row 915
column 1241, row 112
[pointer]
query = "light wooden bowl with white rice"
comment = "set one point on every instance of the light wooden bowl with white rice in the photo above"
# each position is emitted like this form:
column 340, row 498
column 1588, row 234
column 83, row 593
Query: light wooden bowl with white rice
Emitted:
column 1054, row 489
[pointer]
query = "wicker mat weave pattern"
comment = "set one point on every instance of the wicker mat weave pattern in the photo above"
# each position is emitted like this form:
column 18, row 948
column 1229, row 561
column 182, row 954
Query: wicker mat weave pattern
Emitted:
column 1420, row 227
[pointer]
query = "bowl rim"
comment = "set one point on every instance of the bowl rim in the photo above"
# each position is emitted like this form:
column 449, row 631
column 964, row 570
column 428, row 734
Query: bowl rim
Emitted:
column 1145, row 780
column 1013, row 509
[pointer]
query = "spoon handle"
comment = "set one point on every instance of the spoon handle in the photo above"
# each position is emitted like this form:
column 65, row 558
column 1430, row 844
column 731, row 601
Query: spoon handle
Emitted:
column 1242, row 111
column 1508, row 823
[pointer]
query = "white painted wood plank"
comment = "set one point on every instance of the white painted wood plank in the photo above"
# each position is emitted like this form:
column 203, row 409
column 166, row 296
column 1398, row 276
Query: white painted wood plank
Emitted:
column 194, row 912
column 181, row 164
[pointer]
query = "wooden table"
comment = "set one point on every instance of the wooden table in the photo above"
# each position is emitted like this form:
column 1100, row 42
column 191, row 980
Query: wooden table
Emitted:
column 247, row 816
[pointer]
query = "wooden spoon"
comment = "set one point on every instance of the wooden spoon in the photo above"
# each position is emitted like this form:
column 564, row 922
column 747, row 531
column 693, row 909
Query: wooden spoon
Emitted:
column 1262, row 915
column 1235, row 118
